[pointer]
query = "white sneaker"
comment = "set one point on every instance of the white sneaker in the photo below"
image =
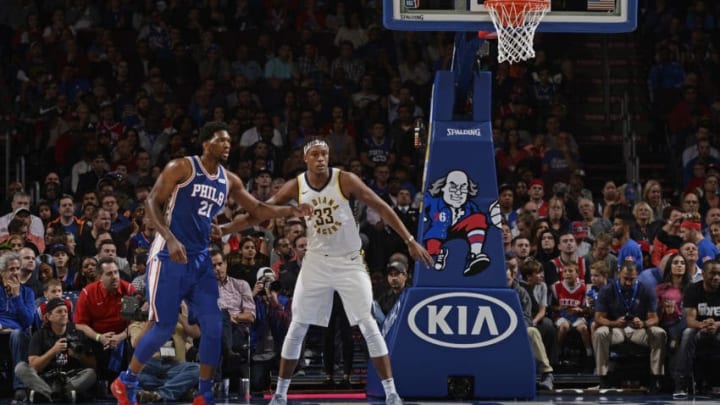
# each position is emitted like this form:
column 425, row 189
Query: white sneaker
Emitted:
column 278, row 400
column 393, row 399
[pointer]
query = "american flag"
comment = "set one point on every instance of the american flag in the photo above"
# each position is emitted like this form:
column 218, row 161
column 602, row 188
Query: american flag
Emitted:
column 601, row 5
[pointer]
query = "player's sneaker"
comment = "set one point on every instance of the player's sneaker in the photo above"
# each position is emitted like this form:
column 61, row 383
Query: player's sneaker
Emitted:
column 204, row 399
column 278, row 400
column 124, row 391
column 440, row 259
column 393, row 399
column 476, row 262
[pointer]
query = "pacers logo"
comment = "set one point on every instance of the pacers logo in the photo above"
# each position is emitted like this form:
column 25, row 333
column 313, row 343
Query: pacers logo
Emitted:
column 323, row 211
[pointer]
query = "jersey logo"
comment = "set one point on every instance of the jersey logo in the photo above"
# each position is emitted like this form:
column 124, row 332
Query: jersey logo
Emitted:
column 324, row 213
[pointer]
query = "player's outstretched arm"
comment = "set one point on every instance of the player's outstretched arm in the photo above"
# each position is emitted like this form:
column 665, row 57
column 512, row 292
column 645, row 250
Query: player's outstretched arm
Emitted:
column 259, row 211
column 352, row 184
column 174, row 173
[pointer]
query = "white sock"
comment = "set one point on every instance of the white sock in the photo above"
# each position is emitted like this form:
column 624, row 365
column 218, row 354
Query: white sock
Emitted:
column 282, row 386
column 389, row 386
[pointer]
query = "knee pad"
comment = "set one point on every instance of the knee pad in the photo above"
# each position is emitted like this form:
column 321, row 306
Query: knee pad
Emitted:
column 293, row 340
column 375, row 341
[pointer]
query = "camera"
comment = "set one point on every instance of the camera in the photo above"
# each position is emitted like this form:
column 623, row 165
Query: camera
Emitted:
column 77, row 343
column 270, row 284
column 131, row 309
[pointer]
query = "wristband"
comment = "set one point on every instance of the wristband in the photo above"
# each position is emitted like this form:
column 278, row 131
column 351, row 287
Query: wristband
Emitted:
column 409, row 240
column 97, row 337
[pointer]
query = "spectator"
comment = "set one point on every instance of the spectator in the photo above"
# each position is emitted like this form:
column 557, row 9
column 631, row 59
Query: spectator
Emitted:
column 353, row 32
column 652, row 194
column 61, row 364
column 700, row 303
column 532, row 281
column 28, row 276
column 169, row 375
column 397, row 278
column 669, row 293
column 98, row 316
column 87, row 273
column 101, row 221
column 89, row 180
column 20, row 200
column 568, row 309
column 690, row 231
column 16, row 314
column 623, row 304
column 243, row 263
column 628, row 248
column 568, row 254
column 284, row 253
column 238, row 308
column 67, row 219
column 536, row 344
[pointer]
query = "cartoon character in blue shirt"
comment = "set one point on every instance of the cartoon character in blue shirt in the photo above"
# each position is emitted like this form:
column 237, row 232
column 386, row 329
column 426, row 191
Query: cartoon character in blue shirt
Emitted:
column 450, row 213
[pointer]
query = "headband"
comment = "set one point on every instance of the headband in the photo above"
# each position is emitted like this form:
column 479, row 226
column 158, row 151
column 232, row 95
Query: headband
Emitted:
column 691, row 225
column 313, row 143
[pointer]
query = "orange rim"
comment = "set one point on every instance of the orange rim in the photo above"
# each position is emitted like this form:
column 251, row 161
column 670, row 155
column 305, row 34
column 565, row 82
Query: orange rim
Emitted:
column 511, row 13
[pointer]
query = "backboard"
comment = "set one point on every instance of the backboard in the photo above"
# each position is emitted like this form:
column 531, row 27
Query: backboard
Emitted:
column 598, row 16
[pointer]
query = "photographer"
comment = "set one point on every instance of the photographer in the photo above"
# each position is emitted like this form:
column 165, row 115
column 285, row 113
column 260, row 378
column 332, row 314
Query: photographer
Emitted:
column 61, row 362
column 626, row 311
column 272, row 312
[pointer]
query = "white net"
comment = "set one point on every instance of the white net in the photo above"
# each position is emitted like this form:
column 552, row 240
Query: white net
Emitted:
column 515, row 22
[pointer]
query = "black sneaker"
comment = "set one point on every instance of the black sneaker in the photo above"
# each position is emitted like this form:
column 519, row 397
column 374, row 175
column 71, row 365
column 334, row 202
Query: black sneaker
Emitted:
column 19, row 396
column 328, row 383
column 476, row 263
column 345, row 384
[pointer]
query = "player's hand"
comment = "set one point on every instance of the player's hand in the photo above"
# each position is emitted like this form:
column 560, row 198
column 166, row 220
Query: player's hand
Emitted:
column 176, row 250
column 419, row 253
column 215, row 231
column 495, row 214
column 302, row 210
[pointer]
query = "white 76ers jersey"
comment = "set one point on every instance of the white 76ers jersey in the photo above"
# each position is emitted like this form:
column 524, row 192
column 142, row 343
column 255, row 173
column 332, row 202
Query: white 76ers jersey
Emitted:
column 332, row 229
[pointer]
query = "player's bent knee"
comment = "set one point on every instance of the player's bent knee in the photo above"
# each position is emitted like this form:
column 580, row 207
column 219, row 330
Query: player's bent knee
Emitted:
column 293, row 340
column 375, row 341
column 211, row 325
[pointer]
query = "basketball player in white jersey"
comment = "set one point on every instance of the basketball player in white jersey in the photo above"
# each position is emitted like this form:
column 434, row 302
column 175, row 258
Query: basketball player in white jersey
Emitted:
column 333, row 262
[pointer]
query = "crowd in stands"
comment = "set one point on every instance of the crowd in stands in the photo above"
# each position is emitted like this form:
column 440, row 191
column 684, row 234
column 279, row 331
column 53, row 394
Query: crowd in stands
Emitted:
column 98, row 96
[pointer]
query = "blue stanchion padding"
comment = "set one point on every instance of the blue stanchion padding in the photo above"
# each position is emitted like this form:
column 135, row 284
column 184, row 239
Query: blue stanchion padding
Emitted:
column 459, row 321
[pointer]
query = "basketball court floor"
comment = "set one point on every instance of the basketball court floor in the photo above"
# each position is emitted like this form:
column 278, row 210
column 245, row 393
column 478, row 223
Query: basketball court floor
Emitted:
column 545, row 399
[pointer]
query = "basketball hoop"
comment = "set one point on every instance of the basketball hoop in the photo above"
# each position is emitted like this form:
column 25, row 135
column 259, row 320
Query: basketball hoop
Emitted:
column 515, row 22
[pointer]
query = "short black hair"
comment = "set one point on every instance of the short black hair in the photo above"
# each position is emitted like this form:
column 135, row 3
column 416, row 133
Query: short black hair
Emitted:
column 105, row 260
column 208, row 130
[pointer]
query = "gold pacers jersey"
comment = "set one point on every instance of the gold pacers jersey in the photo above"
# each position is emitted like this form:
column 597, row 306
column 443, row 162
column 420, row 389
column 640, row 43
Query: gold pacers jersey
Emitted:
column 332, row 229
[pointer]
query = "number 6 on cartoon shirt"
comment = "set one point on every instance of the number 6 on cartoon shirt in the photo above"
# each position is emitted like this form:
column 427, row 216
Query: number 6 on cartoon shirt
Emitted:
column 450, row 213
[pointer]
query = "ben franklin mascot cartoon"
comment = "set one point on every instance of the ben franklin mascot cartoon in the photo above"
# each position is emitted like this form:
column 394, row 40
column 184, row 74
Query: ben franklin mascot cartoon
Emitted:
column 450, row 213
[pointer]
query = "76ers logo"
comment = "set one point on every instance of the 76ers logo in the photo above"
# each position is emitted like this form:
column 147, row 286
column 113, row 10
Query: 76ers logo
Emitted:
column 323, row 211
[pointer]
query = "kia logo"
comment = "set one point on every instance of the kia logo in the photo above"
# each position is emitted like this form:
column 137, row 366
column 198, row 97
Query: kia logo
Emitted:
column 462, row 320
